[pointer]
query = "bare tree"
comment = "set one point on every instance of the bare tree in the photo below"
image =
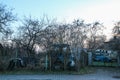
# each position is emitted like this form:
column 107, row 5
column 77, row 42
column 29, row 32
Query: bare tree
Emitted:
column 78, row 36
column 30, row 31
column 115, row 41
column 116, row 29
column 61, row 33
column 78, row 33
column 49, row 36
column 95, row 34
column 6, row 17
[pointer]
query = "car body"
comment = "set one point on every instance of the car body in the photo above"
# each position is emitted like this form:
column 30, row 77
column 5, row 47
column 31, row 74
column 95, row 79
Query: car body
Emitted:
column 61, row 57
column 102, row 58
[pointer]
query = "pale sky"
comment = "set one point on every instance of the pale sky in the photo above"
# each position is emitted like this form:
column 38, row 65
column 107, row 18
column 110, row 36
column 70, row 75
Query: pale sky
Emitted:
column 105, row 11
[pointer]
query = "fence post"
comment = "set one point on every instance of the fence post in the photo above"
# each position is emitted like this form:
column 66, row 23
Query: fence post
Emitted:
column 89, row 58
column 46, row 62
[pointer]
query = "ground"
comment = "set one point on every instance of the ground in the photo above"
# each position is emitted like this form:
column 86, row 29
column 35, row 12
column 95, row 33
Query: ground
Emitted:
column 99, row 74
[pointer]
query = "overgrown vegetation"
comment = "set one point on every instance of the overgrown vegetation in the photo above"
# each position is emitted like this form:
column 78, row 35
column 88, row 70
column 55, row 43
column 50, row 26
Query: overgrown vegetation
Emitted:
column 37, row 34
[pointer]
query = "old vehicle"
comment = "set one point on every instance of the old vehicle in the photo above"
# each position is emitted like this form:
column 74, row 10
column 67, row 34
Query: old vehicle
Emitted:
column 61, row 57
column 102, row 58
column 15, row 62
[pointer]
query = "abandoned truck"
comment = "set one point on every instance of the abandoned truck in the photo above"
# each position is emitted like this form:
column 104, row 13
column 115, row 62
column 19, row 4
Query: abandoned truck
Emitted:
column 60, row 57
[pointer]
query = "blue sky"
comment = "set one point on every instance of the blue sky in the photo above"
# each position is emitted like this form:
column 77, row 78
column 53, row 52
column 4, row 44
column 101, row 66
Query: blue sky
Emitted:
column 60, row 9
column 105, row 11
